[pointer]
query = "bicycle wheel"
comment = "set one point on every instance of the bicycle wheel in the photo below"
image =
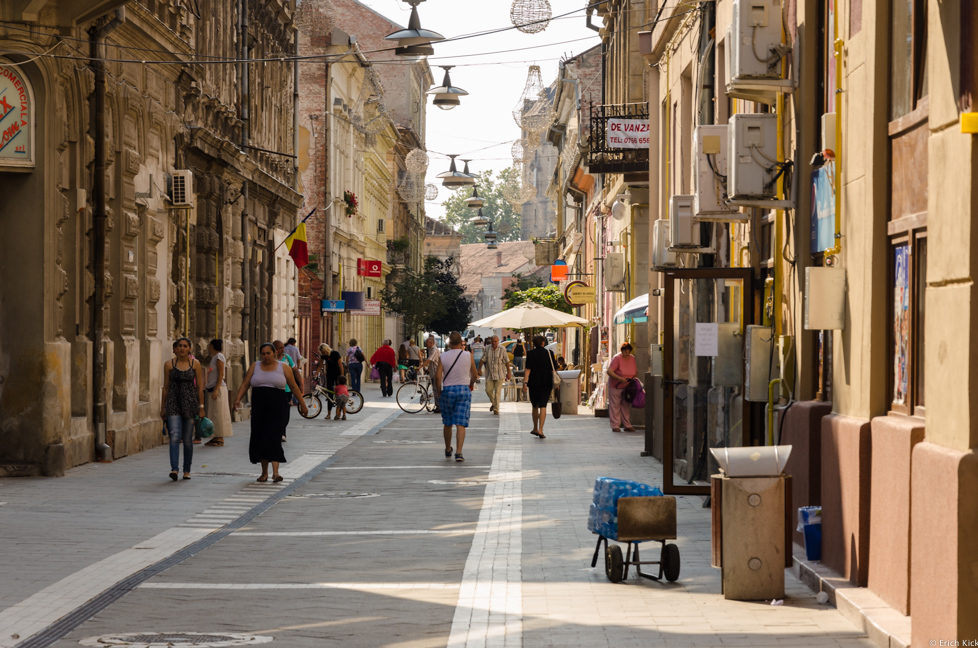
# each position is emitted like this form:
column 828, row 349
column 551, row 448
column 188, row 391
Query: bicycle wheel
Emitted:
column 314, row 405
column 412, row 397
column 355, row 403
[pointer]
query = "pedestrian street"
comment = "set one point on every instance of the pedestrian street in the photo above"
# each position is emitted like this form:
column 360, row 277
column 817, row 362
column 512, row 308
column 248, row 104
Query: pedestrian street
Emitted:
column 373, row 539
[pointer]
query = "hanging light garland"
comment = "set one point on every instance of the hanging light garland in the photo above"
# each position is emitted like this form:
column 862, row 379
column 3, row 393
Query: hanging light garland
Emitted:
column 430, row 191
column 524, row 149
column 530, row 16
column 415, row 41
column 534, row 112
column 416, row 161
column 411, row 188
column 517, row 191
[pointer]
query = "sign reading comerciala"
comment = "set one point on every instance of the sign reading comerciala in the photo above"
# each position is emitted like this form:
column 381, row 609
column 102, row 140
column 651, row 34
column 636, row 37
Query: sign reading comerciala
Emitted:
column 16, row 119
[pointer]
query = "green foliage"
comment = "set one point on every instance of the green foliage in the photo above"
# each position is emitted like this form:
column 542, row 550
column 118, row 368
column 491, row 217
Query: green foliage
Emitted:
column 458, row 310
column 549, row 296
column 431, row 300
column 505, row 220
column 522, row 283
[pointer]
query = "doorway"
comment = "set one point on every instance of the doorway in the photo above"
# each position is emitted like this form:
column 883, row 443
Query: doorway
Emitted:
column 706, row 312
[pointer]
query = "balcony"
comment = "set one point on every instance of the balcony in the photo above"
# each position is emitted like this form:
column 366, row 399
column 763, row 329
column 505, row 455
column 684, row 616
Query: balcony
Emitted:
column 618, row 140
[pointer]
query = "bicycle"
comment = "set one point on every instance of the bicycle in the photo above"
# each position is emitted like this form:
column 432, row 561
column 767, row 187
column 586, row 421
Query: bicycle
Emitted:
column 414, row 396
column 314, row 404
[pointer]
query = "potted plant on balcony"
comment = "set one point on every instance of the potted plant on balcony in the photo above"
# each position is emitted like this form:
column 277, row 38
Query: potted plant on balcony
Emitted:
column 350, row 200
column 397, row 250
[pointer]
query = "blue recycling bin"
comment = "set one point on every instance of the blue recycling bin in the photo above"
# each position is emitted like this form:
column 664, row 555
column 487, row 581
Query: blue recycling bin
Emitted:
column 813, row 541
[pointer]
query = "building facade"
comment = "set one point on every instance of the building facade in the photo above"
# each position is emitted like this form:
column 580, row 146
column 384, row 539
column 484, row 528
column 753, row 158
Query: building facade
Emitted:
column 112, row 265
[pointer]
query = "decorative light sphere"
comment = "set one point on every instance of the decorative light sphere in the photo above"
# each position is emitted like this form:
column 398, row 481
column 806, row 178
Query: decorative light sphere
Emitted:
column 430, row 191
column 416, row 161
column 530, row 16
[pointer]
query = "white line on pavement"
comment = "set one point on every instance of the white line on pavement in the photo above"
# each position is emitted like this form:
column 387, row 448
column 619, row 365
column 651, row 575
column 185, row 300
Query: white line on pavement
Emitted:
column 402, row 467
column 490, row 600
column 262, row 586
column 352, row 533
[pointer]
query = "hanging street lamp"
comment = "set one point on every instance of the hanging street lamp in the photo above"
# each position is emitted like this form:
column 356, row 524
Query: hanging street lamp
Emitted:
column 414, row 41
column 480, row 220
column 492, row 246
column 453, row 178
column 476, row 201
column 447, row 95
column 490, row 235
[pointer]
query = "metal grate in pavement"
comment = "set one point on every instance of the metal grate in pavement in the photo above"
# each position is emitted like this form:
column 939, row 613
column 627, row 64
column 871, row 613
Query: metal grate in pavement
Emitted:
column 175, row 640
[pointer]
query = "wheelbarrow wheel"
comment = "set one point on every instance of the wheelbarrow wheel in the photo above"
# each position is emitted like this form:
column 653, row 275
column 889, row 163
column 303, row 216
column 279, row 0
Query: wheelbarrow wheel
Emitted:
column 614, row 563
column 670, row 562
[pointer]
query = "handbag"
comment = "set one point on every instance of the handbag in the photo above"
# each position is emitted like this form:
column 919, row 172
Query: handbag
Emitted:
column 638, row 401
column 204, row 427
column 374, row 373
column 550, row 356
column 556, row 407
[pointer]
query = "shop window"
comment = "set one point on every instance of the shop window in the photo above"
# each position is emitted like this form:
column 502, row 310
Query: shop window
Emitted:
column 908, row 49
column 907, row 290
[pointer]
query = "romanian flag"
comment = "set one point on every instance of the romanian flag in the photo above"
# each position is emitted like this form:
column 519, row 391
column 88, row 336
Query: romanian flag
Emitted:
column 298, row 249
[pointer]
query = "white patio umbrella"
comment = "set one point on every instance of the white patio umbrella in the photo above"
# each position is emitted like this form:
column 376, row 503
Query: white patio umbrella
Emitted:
column 530, row 315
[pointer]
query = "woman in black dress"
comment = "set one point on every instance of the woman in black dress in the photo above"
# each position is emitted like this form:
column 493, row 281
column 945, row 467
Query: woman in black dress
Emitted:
column 538, row 381
column 334, row 369
column 269, row 409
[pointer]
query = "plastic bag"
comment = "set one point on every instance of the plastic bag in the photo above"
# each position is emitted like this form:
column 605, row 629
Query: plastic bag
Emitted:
column 374, row 373
column 638, row 400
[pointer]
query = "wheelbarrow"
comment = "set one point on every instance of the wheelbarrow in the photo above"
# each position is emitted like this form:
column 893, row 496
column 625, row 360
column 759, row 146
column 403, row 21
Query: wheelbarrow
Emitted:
column 641, row 519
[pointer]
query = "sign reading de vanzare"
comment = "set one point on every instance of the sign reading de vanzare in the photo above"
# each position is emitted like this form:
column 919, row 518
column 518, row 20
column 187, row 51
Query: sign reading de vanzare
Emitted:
column 628, row 133
column 16, row 119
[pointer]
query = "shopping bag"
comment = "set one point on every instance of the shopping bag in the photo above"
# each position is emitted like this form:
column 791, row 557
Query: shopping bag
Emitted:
column 374, row 373
column 638, row 401
column 556, row 407
column 205, row 427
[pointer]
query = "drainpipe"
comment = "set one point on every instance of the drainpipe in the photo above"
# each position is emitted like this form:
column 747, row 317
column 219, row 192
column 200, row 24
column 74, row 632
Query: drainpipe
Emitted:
column 295, row 112
column 245, row 228
column 96, row 38
column 327, row 261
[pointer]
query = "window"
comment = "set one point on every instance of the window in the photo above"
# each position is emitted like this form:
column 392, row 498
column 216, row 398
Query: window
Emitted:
column 908, row 56
column 908, row 281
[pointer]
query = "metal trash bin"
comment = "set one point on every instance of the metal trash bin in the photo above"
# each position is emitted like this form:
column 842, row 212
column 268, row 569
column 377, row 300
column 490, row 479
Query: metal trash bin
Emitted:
column 751, row 513
column 570, row 390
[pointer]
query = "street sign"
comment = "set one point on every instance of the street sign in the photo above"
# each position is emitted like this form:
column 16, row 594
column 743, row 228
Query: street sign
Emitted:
column 332, row 305
column 579, row 293
column 370, row 307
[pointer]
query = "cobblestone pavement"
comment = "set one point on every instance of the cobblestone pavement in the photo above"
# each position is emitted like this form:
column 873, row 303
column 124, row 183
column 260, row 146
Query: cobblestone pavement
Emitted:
column 373, row 539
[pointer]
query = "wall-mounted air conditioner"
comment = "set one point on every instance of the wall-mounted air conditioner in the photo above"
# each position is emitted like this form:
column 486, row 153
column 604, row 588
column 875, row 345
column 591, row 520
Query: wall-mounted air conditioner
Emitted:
column 661, row 256
column 614, row 272
column 684, row 231
column 182, row 189
column 755, row 51
column 753, row 165
column 710, row 179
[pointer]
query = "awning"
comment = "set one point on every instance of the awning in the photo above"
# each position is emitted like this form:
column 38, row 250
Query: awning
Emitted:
column 634, row 311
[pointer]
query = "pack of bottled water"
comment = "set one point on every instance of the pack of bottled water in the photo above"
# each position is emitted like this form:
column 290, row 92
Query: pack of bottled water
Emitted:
column 603, row 514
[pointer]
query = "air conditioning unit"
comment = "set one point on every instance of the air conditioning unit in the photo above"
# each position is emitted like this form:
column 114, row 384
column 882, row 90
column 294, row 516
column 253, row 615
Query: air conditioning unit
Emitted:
column 752, row 169
column 755, row 49
column 684, row 231
column 661, row 256
column 381, row 228
column 709, row 203
column 182, row 189
column 614, row 272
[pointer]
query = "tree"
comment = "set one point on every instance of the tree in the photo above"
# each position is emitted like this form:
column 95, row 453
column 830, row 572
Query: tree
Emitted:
column 521, row 283
column 413, row 296
column 505, row 220
column 458, row 310
column 431, row 300
column 549, row 296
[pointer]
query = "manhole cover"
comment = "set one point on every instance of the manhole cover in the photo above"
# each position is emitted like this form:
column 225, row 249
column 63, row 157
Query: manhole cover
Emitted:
column 174, row 640
column 403, row 442
column 332, row 495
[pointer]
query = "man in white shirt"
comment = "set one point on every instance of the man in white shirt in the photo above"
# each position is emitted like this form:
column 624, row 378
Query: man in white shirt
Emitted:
column 496, row 362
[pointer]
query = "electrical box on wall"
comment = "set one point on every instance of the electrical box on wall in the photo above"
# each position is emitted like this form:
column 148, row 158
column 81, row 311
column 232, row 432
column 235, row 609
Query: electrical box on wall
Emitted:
column 825, row 299
column 756, row 27
column 709, row 202
column 759, row 353
column 684, row 231
column 661, row 256
column 752, row 167
column 614, row 271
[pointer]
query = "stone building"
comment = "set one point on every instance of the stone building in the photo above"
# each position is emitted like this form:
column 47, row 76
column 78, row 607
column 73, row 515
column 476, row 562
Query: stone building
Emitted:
column 95, row 240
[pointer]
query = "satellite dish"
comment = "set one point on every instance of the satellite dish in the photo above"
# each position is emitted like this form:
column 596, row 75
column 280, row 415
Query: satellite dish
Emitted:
column 618, row 210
